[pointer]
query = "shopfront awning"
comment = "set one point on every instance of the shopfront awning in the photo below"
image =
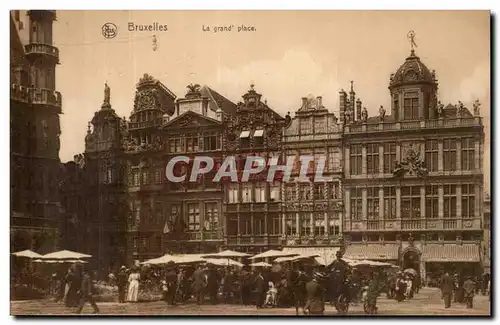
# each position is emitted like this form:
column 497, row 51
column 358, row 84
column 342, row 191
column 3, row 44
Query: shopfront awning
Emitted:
column 372, row 252
column 450, row 253
column 326, row 254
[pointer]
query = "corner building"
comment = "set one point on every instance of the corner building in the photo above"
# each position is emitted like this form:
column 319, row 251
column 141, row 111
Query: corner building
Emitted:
column 35, row 106
column 414, row 178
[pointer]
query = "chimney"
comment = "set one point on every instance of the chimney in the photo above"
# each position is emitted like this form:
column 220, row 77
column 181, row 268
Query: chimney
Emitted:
column 319, row 99
column 358, row 109
column 342, row 104
column 304, row 103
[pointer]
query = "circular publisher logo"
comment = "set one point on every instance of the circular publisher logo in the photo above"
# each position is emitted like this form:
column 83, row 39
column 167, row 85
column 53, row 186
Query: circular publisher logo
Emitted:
column 109, row 30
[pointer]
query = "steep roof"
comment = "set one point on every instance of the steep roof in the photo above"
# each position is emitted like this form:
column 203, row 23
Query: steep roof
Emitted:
column 17, row 58
column 217, row 100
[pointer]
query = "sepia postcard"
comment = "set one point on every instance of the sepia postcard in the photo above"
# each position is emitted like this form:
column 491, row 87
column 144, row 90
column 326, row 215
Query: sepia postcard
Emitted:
column 324, row 163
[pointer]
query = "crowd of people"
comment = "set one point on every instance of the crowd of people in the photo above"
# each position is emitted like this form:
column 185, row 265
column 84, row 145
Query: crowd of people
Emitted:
column 303, row 285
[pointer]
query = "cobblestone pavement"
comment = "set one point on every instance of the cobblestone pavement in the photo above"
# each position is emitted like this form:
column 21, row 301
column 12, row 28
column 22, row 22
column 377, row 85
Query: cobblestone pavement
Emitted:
column 426, row 302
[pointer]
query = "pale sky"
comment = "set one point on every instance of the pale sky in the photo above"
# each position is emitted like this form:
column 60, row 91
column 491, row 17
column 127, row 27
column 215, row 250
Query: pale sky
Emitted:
column 290, row 55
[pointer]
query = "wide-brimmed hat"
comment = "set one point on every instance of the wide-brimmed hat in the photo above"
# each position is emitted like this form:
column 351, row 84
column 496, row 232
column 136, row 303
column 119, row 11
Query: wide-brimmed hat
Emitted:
column 123, row 267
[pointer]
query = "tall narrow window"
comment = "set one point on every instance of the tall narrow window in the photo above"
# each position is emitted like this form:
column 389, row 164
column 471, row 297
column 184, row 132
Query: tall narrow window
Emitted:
column 304, row 192
column 306, row 223
column 275, row 191
column 450, row 201
column 233, row 193
column 468, row 154
column 431, row 155
column 389, row 157
column 260, row 192
column 290, row 193
column 468, row 200
column 334, row 160
column 372, row 155
column 246, row 193
column 193, row 216
column 356, row 158
column 449, row 154
column 334, row 190
column 319, row 224
column 319, row 191
column 291, row 224
column 410, row 106
column 373, row 203
column 389, row 203
column 211, row 222
column 356, row 203
column 306, row 126
column 410, row 202
column 431, row 202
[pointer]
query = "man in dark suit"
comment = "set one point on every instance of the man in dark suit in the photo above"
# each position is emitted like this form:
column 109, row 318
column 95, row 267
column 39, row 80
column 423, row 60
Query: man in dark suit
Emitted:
column 86, row 293
column 261, row 287
column 447, row 286
column 469, row 289
column 122, row 284
column 199, row 284
column 315, row 304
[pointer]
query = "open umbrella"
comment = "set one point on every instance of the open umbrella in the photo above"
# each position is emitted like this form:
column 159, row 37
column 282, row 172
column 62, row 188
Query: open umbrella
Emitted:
column 27, row 253
column 65, row 255
column 261, row 264
column 273, row 254
column 223, row 262
column 227, row 254
column 165, row 259
column 295, row 258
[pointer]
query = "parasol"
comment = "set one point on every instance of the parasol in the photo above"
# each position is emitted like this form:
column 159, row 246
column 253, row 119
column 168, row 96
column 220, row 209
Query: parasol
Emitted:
column 227, row 254
column 273, row 254
column 65, row 255
column 28, row 254
column 223, row 262
column 261, row 264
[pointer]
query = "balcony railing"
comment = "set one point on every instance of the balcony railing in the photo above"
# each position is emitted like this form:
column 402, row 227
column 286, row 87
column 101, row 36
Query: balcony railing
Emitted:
column 44, row 49
column 411, row 125
column 36, row 96
column 411, row 224
column 418, row 224
column 145, row 124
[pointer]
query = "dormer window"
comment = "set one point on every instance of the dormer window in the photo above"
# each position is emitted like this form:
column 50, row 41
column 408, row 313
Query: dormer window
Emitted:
column 258, row 138
column 411, row 106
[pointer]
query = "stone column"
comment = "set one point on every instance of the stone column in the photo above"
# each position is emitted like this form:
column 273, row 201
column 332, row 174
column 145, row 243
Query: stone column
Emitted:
column 326, row 223
column 363, row 160
column 481, row 157
column 478, row 201
column 298, row 226
column 347, row 161
column 459, row 155
column 347, row 205
column 423, row 213
column 477, row 155
column 381, row 203
column 364, row 195
column 440, row 201
column 440, row 155
column 311, row 222
column 398, row 202
column 381, row 159
column 459, row 201
column 398, row 151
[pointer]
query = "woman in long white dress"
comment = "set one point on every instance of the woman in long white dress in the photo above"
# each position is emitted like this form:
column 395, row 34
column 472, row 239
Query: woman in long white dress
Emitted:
column 133, row 287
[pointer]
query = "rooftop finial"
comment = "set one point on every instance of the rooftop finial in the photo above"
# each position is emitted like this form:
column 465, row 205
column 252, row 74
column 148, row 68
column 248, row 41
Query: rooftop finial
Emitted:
column 352, row 86
column 252, row 85
column 411, row 39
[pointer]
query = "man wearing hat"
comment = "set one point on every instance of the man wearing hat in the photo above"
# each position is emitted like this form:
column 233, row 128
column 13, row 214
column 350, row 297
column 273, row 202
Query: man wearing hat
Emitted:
column 86, row 290
column 447, row 286
column 315, row 304
column 469, row 289
column 340, row 270
column 122, row 280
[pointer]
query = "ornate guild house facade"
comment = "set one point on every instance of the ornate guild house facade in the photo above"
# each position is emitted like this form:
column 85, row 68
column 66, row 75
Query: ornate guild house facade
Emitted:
column 253, row 208
column 414, row 179
column 312, row 211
